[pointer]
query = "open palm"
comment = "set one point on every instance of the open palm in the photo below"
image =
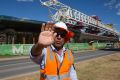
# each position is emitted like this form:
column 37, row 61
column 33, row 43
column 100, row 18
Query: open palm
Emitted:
column 46, row 38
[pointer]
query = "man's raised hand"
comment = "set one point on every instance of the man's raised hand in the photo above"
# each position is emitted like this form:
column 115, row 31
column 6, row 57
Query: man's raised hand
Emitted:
column 47, row 34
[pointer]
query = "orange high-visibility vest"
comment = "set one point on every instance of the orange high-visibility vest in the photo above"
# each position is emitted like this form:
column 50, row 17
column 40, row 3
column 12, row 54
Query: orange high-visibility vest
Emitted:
column 54, row 70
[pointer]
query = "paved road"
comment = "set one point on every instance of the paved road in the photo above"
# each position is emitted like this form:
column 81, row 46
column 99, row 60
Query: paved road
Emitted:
column 22, row 66
column 93, row 54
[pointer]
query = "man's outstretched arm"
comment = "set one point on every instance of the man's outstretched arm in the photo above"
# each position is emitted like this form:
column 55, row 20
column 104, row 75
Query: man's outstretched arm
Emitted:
column 36, row 52
column 46, row 38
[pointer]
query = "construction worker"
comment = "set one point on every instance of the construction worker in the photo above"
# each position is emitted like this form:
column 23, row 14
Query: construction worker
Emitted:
column 56, row 62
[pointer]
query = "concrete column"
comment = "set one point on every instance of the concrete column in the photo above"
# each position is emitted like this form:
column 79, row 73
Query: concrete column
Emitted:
column 33, row 40
column 24, row 40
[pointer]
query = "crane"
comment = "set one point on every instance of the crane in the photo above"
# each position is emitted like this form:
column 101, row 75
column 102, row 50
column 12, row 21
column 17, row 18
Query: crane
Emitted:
column 61, row 12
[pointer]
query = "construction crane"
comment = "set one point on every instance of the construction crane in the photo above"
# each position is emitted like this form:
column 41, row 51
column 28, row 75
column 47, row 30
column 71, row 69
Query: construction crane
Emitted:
column 61, row 12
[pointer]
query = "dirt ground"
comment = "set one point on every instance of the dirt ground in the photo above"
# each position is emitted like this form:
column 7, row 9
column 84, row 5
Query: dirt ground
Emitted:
column 102, row 68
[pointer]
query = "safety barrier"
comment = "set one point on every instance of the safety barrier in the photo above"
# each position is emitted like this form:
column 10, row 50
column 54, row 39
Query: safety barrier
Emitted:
column 15, row 49
column 77, row 46
column 85, row 46
column 24, row 49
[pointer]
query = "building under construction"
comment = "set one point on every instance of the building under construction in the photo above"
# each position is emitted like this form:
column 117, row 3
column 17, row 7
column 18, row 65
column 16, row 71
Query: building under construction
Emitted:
column 23, row 31
column 17, row 35
column 18, row 30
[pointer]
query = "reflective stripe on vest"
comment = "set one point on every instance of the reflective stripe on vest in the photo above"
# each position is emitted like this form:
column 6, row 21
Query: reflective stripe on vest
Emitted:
column 55, row 77
column 70, row 58
column 51, row 56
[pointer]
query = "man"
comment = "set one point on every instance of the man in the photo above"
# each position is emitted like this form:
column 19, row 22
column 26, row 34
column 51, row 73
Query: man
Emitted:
column 56, row 62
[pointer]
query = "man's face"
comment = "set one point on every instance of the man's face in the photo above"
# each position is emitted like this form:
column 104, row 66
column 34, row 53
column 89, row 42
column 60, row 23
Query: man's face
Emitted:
column 59, row 39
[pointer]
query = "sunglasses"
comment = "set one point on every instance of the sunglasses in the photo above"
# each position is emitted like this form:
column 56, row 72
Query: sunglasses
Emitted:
column 60, row 32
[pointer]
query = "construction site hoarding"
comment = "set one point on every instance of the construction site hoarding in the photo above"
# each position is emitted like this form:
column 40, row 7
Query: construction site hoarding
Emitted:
column 24, row 49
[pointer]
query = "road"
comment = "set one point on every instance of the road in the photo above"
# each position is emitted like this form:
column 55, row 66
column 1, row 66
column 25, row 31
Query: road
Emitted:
column 10, row 68
column 93, row 54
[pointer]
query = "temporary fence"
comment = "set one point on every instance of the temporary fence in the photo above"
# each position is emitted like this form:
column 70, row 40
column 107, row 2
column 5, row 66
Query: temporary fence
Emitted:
column 24, row 49
column 15, row 49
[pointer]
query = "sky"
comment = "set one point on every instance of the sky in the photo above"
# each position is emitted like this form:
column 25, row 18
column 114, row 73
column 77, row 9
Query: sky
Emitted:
column 107, row 10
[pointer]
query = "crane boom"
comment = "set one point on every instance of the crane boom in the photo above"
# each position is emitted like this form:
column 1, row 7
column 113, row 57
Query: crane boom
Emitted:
column 60, row 11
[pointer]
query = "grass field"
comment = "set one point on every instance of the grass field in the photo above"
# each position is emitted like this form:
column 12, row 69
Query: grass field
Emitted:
column 102, row 68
